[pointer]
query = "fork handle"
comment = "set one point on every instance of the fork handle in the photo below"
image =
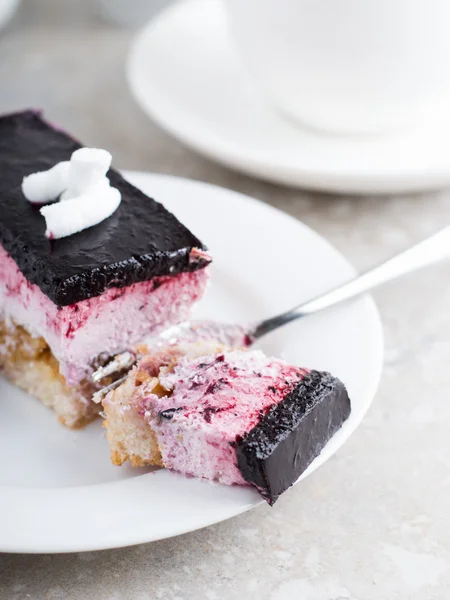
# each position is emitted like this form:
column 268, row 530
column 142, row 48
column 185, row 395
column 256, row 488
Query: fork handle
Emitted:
column 427, row 252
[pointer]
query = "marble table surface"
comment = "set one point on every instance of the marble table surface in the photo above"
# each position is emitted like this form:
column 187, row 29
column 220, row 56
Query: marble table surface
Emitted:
column 374, row 522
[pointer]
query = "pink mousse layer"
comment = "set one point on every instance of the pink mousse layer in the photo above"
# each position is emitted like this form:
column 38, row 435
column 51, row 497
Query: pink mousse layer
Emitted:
column 215, row 399
column 109, row 323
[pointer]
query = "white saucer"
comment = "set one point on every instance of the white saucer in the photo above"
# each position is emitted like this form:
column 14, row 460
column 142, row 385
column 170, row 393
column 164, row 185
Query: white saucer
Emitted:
column 184, row 73
column 59, row 491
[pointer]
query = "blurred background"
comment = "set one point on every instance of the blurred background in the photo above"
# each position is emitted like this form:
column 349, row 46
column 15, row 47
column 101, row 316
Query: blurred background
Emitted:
column 68, row 57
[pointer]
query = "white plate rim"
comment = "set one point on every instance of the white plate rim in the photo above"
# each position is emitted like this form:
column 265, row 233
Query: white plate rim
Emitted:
column 12, row 499
column 324, row 178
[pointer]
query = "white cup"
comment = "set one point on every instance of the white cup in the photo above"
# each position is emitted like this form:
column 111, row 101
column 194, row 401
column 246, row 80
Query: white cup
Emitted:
column 7, row 10
column 348, row 66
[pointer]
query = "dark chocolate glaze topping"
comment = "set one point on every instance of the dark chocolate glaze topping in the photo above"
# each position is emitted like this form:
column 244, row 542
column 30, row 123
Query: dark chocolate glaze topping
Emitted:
column 274, row 454
column 139, row 241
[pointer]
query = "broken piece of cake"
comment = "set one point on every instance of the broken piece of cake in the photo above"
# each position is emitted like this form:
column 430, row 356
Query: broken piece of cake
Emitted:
column 232, row 416
column 86, row 277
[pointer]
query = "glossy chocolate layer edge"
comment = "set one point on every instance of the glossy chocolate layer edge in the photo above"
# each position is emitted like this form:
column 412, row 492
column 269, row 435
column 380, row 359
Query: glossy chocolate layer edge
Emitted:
column 141, row 240
column 274, row 454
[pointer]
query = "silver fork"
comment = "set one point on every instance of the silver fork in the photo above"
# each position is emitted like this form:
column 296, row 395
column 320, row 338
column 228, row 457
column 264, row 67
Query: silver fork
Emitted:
column 429, row 251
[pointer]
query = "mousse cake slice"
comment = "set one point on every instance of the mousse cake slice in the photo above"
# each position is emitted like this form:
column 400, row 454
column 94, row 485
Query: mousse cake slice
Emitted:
column 68, row 304
column 233, row 416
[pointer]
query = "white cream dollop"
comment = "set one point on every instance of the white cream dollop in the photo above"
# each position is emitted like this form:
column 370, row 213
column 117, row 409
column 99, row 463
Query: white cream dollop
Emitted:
column 85, row 193
column 83, row 211
column 45, row 186
column 87, row 168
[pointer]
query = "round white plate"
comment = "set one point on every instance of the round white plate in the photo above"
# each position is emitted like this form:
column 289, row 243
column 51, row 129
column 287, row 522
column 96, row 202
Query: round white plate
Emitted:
column 184, row 72
column 58, row 490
